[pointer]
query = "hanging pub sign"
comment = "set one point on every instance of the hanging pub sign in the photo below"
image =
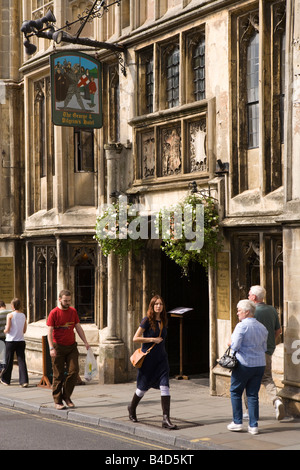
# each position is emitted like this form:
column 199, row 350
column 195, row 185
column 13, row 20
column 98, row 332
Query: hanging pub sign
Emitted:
column 76, row 92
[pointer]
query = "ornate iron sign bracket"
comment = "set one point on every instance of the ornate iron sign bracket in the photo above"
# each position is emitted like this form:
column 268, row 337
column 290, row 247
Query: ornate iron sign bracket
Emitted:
column 44, row 28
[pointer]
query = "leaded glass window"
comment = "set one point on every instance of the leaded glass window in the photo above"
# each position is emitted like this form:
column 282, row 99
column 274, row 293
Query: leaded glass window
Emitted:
column 173, row 62
column 149, row 84
column 84, row 150
column 199, row 70
column 85, row 293
column 253, row 91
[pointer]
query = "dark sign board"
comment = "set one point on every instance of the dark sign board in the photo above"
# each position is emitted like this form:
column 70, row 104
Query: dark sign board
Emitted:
column 76, row 89
column 180, row 311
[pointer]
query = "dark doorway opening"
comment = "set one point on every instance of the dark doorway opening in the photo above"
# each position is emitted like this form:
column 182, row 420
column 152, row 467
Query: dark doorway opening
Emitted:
column 179, row 291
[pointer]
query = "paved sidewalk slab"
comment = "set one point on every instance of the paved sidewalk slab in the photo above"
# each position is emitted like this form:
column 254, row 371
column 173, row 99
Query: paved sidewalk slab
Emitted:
column 201, row 418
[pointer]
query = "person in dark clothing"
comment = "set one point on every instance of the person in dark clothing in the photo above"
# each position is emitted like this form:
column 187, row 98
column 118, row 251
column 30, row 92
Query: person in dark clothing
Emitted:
column 3, row 314
column 154, row 372
column 268, row 316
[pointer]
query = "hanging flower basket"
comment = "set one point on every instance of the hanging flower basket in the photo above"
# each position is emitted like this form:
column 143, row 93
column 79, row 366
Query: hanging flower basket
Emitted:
column 113, row 231
column 180, row 249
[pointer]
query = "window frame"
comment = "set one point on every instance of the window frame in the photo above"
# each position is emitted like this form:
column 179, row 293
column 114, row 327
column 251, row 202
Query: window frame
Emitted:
column 79, row 165
column 253, row 91
column 44, row 135
column 84, row 257
column 45, row 280
column 143, row 101
column 173, row 76
column 278, row 34
column 199, row 42
column 41, row 145
column 269, row 154
column 187, row 42
column 164, row 50
column 78, row 293
column 257, row 258
column 149, row 127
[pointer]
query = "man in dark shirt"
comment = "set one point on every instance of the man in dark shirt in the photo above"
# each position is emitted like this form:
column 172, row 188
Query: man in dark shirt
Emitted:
column 3, row 313
column 268, row 316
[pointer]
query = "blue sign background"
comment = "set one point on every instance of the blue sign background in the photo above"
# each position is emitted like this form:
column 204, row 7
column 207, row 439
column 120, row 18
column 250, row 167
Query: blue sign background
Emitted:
column 76, row 89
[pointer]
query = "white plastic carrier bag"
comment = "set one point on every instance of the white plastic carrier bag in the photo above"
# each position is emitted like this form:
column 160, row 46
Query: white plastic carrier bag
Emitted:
column 91, row 369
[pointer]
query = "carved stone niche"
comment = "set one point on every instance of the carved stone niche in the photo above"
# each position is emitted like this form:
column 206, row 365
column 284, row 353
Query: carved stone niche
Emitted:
column 197, row 146
column 171, row 150
column 148, row 154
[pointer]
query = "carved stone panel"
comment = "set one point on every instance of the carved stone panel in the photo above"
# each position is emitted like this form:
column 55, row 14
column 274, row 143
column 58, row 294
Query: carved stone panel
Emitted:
column 197, row 146
column 83, row 255
column 148, row 154
column 171, row 150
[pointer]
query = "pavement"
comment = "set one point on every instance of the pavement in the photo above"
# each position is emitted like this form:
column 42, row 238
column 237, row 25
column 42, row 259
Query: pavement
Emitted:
column 201, row 418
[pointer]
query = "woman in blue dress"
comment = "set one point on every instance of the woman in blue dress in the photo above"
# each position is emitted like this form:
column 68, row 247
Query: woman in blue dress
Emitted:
column 154, row 372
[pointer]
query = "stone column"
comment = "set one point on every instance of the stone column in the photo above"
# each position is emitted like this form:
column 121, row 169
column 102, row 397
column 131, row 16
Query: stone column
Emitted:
column 62, row 272
column 112, row 293
column 113, row 158
column 290, row 217
column 112, row 349
column 291, row 327
column 113, row 155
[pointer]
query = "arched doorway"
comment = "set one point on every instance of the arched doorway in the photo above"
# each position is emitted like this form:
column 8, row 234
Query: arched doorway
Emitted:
column 179, row 291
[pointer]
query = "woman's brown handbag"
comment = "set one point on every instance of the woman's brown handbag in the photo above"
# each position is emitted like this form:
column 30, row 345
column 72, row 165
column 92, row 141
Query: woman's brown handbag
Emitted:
column 138, row 356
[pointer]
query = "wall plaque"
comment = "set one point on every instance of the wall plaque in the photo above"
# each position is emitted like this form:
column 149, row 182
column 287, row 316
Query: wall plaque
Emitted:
column 7, row 279
column 223, row 286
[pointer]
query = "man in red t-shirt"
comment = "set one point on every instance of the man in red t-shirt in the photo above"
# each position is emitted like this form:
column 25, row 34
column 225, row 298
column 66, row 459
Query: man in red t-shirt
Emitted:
column 63, row 349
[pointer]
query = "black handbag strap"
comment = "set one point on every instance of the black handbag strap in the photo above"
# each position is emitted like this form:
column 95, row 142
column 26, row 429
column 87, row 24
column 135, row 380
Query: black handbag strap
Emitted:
column 228, row 352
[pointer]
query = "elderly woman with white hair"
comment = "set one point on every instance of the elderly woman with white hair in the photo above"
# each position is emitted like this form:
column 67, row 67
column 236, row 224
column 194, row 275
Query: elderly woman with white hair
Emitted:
column 249, row 341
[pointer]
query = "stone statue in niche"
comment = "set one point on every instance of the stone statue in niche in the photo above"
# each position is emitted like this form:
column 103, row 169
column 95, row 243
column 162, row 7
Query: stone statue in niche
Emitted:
column 171, row 146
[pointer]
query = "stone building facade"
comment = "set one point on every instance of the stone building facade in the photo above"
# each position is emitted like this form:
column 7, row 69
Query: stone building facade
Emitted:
column 210, row 94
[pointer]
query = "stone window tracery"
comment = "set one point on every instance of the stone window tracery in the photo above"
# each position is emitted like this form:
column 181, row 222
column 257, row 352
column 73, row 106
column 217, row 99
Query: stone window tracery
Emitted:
column 45, row 280
column 168, row 78
column 257, row 90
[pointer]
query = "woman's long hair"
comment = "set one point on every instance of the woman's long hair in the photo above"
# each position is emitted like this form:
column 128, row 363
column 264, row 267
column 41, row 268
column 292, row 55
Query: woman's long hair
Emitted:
column 151, row 313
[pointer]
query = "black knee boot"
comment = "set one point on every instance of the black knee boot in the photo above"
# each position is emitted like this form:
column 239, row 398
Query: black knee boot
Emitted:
column 166, row 423
column 132, row 408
